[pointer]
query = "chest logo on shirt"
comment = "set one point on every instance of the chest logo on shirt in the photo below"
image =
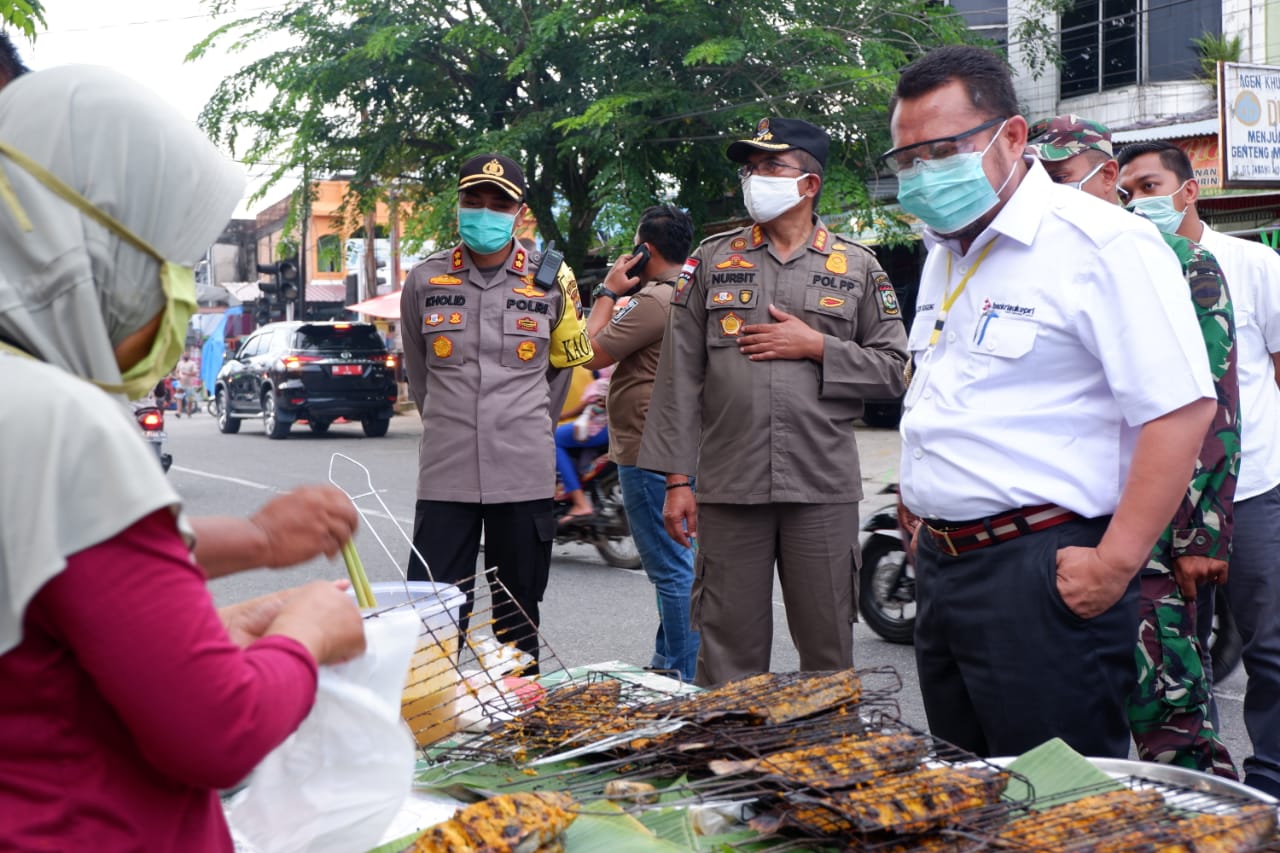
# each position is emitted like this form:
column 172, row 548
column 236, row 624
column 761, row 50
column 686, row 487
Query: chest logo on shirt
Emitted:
column 738, row 243
column 837, row 263
column 446, row 279
column 735, row 262
column 722, row 297
column 434, row 319
column 528, row 289
column 831, row 301
column 527, row 324
column 1006, row 308
column 455, row 318
column 526, row 350
column 746, row 297
column 730, row 325
column 442, row 347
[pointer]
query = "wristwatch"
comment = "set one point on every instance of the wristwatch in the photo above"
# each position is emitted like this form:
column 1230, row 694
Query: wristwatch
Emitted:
column 601, row 290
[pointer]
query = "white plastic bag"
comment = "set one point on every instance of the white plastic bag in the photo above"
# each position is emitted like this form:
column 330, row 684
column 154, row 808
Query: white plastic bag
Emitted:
column 337, row 782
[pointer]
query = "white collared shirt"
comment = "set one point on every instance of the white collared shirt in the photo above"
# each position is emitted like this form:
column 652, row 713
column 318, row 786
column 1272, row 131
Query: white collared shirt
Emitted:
column 1252, row 271
column 1076, row 330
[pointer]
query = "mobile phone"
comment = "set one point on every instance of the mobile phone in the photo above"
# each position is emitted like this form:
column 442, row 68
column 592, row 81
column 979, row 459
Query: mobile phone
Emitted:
column 641, row 254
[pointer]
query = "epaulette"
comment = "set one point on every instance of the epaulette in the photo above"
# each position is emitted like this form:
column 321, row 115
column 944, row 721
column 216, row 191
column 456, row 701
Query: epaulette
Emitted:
column 850, row 242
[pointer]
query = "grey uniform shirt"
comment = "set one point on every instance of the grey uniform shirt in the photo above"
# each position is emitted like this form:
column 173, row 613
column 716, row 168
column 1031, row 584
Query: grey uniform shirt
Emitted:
column 778, row 430
column 478, row 355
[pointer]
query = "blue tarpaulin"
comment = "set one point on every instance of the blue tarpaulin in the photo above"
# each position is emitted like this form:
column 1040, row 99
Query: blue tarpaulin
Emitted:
column 214, row 350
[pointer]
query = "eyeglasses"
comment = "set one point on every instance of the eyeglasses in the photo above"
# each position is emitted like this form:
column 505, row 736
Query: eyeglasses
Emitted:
column 899, row 159
column 766, row 168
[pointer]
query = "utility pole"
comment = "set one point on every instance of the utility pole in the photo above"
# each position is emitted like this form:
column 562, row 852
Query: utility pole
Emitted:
column 393, row 218
column 303, row 252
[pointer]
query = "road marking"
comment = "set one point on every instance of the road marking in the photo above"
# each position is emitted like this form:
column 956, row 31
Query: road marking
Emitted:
column 226, row 479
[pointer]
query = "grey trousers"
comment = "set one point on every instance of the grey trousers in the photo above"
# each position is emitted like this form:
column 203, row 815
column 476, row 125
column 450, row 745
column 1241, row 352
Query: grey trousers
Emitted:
column 1253, row 590
column 732, row 599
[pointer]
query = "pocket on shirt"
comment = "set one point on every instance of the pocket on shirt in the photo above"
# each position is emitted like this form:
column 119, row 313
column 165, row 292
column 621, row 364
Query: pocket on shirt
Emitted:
column 997, row 343
column 729, row 309
column 831, row 311
column 525, row 337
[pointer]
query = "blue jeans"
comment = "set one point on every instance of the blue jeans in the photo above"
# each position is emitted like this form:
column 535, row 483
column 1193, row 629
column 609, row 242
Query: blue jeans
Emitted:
column 1253, row 590
column 566, row 466
column 668, row 565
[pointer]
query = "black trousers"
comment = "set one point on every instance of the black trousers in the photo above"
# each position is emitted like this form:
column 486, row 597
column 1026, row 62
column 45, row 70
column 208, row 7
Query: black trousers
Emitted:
column 1004, row 665
column 518, row 539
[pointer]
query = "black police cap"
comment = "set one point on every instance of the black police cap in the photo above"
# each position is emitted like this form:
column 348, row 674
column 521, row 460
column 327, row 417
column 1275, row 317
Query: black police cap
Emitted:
column 501, row 172
column 783, row 134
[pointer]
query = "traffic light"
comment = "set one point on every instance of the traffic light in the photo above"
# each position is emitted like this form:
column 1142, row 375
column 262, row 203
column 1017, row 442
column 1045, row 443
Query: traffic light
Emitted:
column 287, row 276
column 262, row 314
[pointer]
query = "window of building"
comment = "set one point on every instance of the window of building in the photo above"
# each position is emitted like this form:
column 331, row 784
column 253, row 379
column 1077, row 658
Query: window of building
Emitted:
column 329, row 253
column 1107, row 44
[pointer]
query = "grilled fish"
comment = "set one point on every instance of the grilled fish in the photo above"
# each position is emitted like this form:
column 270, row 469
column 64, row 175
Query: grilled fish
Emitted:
column 1241, row 831
column 918, row 801
column 841, row 764
column 1061, row 826
column 507, row 823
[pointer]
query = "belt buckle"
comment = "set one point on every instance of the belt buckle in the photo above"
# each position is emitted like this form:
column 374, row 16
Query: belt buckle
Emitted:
column 944, row 538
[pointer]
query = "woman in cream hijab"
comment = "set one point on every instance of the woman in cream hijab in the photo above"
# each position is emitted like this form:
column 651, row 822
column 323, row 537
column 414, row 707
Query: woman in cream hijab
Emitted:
column 127, row 701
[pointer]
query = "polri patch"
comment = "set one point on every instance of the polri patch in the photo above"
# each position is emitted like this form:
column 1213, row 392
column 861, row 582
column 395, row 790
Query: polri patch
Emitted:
column 735, row 262
column 446, row 279
column 442, row 347
column 528, row 289
column 526, row 350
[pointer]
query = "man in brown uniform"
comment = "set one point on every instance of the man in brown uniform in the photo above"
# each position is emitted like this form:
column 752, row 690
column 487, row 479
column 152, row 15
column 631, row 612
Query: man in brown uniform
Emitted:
column 481, row 340
column 778, row 333
column 632, row 336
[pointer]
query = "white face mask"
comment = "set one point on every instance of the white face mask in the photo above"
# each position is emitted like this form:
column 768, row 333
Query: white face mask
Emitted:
column 769, row 198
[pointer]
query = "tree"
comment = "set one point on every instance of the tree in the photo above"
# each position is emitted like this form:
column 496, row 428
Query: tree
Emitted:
column 23, row 15
column 606, row 104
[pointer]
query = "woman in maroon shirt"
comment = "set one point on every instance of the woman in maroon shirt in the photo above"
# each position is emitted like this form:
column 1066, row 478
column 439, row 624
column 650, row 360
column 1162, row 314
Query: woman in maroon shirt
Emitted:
column 126, row 699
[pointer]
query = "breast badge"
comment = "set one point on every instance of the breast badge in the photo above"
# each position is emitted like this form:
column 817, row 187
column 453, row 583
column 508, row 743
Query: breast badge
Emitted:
column 746, row 297
column 528, row 289
column 442, row 347
column 527, row 324
column 448, row 280
column 730, row 325
column 735, row 262
column 722, row 297
column 838, row 263
column 433, row 319
column 738, row 243
column 526, row 350
column 831, row 301
column 455, row 318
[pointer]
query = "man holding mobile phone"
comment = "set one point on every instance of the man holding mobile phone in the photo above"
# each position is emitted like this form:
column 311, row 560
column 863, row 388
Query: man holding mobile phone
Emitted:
column 632, row 337
column 779, row 331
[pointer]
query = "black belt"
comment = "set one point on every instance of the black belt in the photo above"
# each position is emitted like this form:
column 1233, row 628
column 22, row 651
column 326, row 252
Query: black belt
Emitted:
column 958, row 537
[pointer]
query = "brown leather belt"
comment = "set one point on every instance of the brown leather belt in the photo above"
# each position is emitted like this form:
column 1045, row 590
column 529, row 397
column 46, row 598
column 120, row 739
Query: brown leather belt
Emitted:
column 956, row 539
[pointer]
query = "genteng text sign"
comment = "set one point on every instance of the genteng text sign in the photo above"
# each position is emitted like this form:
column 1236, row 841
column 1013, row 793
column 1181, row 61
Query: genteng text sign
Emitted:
column 1249, row 106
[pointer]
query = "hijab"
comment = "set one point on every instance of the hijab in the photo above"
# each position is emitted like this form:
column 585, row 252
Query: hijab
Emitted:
column 74, row 470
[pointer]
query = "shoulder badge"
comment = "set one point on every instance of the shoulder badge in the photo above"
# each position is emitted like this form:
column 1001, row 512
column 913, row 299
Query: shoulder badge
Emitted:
column 444, row 279
column 457, row 259
column 738, row 243
column 820, row 239
column 888, row 298
column 757, row 235
column 519, row 259
column 624, row 311
column 681, row 294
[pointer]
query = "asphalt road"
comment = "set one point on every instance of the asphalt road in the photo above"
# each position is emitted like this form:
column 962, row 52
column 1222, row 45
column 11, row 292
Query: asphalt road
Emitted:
column 591, row 612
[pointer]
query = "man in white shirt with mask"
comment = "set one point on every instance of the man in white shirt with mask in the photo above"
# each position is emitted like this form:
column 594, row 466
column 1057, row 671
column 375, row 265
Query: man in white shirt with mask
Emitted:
column 1042, row 457
column 778, row 331
column 1156, row 181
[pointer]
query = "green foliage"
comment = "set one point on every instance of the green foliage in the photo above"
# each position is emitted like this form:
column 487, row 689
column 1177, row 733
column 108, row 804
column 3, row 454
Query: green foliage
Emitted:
column 1214, row 48
column 609, row 106
column 23, row 15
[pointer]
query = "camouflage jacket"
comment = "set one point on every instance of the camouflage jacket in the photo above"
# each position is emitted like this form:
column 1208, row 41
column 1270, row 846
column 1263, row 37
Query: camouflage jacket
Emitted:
column 1203, row 523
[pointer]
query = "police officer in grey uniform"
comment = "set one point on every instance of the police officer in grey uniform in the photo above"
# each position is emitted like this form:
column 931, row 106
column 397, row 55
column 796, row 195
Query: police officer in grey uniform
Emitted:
column 778, row 332
column 482, row 341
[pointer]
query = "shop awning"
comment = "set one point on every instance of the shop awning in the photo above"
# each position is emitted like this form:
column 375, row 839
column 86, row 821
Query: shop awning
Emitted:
column 386, row 306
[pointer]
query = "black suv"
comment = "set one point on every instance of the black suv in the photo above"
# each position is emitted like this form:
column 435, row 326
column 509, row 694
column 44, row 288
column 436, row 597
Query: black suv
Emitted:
column 313, row 371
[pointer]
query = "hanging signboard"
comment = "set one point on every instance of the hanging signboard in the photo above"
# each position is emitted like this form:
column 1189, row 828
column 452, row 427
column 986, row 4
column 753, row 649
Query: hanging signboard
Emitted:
column 1249, row 110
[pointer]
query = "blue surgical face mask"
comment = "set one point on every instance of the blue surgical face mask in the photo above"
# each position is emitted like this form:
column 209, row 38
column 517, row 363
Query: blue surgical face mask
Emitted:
column 949, row 194
column 1160, row 210
column 485, row 231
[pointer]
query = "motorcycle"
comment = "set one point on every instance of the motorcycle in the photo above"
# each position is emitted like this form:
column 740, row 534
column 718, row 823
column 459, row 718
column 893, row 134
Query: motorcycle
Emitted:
column 887, row 592
column 151, row 421
column 607, row 529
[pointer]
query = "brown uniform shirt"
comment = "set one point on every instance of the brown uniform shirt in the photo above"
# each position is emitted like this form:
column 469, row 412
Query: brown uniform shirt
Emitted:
column 778, row 430
column 634, row 338
column 478, row 355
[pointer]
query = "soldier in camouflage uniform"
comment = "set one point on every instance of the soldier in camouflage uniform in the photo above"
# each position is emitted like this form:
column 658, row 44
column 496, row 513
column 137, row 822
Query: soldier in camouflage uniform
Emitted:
column 1171, row 711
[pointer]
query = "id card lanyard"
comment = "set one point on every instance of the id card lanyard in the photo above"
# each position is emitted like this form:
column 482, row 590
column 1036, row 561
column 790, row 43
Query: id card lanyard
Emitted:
column 949, row 298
